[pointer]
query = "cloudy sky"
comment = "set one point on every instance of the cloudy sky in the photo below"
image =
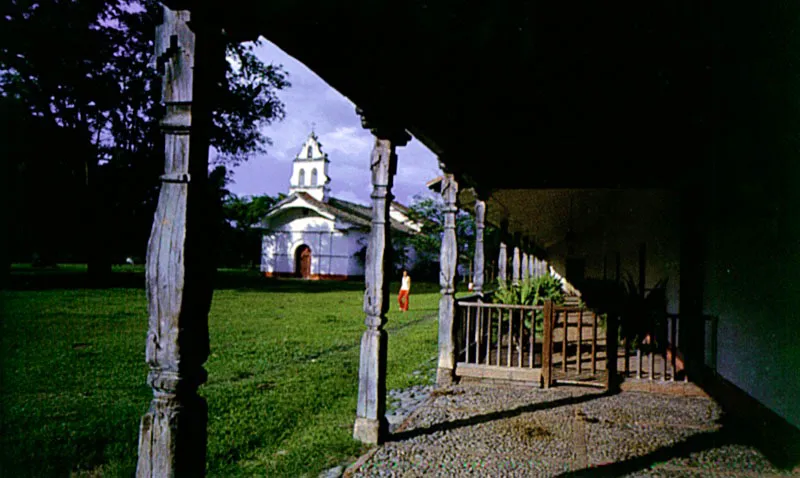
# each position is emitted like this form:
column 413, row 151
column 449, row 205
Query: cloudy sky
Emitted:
column 310, row 100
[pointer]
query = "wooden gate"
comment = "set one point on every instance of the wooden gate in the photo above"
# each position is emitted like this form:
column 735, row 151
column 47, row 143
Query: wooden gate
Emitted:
column 580, row 347
column 498, row 341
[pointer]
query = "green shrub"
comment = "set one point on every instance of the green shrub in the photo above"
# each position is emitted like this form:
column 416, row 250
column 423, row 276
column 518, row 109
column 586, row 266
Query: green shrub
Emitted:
column 531, row 291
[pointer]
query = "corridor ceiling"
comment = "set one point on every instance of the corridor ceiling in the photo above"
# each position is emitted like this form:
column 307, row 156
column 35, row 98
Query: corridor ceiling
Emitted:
column 513, row 94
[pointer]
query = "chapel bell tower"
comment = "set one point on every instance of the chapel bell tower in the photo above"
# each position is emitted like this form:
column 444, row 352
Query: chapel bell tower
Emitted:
column 310, row 170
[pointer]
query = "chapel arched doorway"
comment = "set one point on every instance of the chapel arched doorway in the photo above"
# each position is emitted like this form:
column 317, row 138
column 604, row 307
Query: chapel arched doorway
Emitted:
column 302, row 261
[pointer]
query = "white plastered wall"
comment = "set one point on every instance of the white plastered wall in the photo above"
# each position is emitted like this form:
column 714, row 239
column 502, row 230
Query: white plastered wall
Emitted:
column 332, row 249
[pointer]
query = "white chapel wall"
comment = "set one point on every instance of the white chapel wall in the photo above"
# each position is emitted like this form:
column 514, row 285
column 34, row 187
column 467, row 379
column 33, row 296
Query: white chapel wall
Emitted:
column 332, row 251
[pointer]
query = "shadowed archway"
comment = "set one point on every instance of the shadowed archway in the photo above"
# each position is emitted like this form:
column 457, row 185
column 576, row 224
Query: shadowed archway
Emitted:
column 302, row 261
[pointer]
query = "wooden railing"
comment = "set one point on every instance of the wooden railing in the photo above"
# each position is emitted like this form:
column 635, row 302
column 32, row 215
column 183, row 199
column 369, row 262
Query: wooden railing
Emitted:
column 566, row 344
column 655, row 354
column 578, row 345
column 658, row 355
column 499, row 341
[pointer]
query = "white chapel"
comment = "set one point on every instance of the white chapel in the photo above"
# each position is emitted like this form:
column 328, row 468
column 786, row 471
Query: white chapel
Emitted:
column 311, row 234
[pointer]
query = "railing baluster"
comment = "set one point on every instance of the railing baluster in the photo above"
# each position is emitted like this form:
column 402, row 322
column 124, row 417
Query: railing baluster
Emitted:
column 521, row 334
column 564, row 344
column 664, row 362
column 489, row 315
column 594, row 343
column 580, row 339
column 673, row 350
column 510, row 335
column 548, row 323
column 639, row 361
column 678, row 344
column 478, row 330
column 466, row 336
column 627, row 351
column 532, row 339
column 499, row 335
column 652, row 349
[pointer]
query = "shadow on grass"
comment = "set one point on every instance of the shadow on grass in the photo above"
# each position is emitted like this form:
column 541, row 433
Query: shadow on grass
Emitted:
column 500, row 415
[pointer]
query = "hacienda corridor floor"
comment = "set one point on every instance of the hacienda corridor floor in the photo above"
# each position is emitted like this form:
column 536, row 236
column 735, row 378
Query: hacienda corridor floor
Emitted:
column 474, row 430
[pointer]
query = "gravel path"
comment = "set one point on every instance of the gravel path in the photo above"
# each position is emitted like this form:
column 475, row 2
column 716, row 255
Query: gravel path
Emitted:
column 567, row 431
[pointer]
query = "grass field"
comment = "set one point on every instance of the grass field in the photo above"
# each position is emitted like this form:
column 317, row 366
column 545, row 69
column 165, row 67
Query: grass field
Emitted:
column 282, row 372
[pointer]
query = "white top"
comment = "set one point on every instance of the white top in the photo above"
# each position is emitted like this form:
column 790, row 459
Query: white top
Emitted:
column 406, row 284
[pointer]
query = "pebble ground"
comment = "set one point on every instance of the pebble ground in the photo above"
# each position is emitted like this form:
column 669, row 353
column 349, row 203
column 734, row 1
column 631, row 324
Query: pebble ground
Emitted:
column 473, row 430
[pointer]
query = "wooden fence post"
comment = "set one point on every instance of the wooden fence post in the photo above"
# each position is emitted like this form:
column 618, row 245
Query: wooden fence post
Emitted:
column 547, row 344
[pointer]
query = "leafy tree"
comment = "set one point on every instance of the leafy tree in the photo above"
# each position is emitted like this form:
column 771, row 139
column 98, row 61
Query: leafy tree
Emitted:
column 429, row 212
column 77, row 74
column 239, row 242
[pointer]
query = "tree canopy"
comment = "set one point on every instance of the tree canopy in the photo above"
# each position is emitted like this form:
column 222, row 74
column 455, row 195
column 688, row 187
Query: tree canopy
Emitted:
column 81, row 103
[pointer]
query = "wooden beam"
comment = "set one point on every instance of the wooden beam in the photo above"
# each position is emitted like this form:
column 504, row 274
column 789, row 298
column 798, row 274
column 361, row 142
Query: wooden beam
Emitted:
column 499, row 372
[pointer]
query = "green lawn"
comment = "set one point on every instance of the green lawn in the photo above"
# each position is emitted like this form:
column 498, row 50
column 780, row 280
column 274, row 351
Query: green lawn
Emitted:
column 282, row 373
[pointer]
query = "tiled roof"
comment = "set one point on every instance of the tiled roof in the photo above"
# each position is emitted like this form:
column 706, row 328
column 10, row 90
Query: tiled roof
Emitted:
column 348, row 211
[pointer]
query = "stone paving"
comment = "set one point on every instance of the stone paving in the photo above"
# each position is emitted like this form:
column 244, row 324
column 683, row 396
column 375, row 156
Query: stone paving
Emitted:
column 473, row 430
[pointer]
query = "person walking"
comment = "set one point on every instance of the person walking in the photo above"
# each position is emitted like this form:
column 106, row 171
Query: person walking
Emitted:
column 405, row 288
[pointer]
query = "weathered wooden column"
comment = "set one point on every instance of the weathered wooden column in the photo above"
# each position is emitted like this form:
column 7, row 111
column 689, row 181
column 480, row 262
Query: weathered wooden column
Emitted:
column 502, row 263
column 480, row 225
column 448, row 259
column 371, row 425
column 172, row 435
column 515, row 266
column 525, row 275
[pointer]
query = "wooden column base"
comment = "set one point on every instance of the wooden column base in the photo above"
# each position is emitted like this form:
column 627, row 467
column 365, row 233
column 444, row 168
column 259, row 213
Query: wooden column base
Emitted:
column 172, row 438
column 445, row 377
column 371, row 431
column 371, row 425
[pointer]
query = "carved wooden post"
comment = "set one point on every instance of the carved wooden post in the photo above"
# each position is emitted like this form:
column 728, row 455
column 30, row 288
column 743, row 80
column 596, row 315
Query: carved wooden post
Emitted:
column 172, row 435
column 480, row 219
column 448, row 258
column 371, row 425
column 502, row 262
column 515, row 266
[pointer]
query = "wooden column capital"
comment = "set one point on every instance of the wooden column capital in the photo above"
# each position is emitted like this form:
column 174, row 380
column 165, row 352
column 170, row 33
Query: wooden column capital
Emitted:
column 384, row 129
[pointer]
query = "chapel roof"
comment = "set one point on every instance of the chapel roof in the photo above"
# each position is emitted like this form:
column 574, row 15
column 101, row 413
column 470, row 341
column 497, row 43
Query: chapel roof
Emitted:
column 347, row 211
